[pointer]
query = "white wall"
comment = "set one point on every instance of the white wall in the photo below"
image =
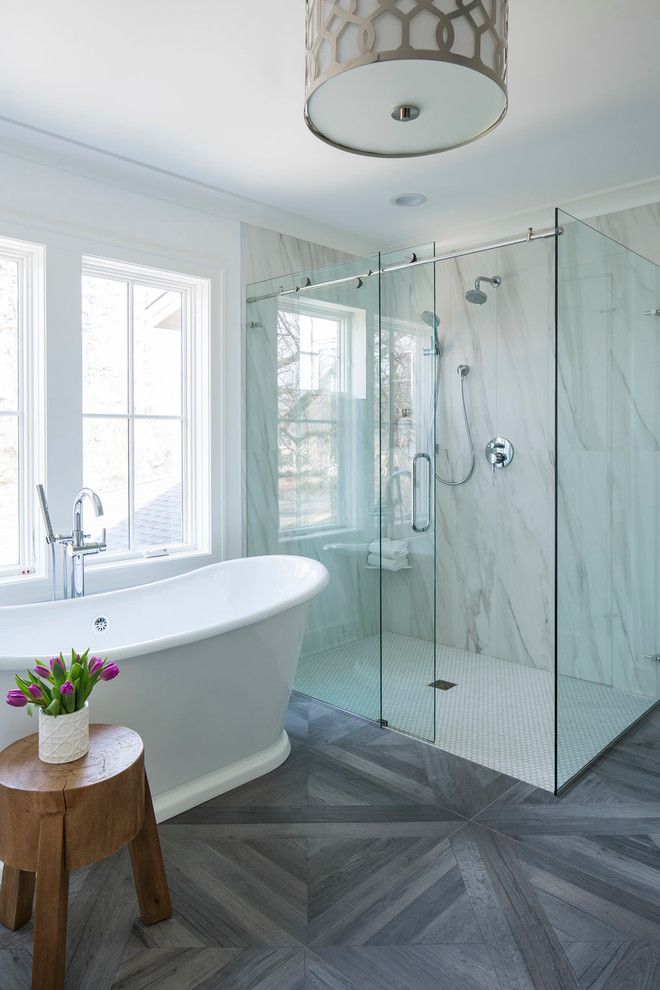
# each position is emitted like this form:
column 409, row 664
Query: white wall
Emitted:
column 74, row 215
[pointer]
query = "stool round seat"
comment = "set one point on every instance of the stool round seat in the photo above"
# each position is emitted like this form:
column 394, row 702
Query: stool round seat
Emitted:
column 102, row 795
column 57, row 817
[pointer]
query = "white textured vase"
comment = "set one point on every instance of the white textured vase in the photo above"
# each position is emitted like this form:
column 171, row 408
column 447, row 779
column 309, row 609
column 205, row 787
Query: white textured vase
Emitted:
column 63, row 738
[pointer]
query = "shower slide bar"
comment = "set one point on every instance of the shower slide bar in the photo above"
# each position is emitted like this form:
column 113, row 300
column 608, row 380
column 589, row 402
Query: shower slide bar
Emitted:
column 413, row 262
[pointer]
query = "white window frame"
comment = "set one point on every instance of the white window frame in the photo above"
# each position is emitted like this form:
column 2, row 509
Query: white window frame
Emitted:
column 351, row 323
column 195, row 405
column 30, row 317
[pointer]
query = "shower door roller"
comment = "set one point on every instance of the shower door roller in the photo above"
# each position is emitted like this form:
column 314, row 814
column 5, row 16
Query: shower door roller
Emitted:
column 499, row 452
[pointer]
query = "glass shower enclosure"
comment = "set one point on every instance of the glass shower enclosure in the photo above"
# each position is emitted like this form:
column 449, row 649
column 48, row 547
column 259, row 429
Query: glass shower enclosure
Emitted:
column 340, row 467
column 344, row 385
column 608, row 493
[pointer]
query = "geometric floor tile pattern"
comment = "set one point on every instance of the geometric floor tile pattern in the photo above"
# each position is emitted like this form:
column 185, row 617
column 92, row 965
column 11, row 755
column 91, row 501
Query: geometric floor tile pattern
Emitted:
column 371, row 861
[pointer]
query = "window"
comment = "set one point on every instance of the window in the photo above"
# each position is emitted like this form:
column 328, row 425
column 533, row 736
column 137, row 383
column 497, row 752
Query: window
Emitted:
column 315, row 426
column 145, row 406
column 21, row 402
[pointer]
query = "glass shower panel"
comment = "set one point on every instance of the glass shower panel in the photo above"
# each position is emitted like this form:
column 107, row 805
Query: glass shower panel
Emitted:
column 313, row 485
column 608, row 488
column 407, row 463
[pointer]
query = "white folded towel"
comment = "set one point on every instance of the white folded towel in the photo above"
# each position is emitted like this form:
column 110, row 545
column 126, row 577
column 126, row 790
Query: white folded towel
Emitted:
column 389, row 548
column 388, row 563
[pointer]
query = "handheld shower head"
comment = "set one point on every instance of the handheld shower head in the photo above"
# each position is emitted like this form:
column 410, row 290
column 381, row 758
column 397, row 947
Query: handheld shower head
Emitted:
column 432, row 320
column 477, row 295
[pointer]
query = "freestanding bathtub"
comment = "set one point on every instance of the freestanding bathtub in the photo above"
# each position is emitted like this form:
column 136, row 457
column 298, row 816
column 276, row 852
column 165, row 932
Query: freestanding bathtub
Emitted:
column 207, row 663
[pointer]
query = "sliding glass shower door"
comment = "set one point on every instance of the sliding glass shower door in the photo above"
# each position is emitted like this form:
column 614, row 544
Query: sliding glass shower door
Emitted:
column 340, row 388
column 409, row 340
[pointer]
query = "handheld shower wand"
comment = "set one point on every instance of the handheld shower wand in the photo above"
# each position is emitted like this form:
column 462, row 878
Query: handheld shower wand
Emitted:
column 51, row 538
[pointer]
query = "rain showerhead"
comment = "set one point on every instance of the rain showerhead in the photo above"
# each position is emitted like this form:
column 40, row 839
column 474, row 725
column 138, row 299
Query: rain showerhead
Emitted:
column 477, row 295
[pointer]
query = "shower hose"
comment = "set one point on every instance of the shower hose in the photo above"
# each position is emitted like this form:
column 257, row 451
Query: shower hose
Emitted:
column 468, row 431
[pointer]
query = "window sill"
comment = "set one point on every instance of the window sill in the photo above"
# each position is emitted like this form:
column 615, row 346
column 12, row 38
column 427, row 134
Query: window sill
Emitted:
column 18, row 580
column 104, row 562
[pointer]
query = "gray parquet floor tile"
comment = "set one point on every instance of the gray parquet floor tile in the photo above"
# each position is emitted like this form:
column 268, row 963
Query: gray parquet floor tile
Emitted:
column 390, row 891
column 15, row 968
column 525, row 949
column 369, row 861
column 402, row 967
column 616, row 965
column 208, row 969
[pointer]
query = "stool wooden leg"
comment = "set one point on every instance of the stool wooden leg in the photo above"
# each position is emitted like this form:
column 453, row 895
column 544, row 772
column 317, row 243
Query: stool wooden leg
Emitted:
column 50, row 914
column 148, row 867
column 16, row 897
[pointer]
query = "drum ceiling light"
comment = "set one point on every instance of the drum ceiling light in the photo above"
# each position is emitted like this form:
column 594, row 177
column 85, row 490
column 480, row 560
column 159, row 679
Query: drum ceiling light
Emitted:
column 402, row 78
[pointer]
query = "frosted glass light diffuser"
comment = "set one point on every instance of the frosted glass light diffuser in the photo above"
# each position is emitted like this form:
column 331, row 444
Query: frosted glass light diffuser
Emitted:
column 444, row 59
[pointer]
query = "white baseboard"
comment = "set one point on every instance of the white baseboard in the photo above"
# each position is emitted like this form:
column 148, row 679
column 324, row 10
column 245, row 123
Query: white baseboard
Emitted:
column 194, row 792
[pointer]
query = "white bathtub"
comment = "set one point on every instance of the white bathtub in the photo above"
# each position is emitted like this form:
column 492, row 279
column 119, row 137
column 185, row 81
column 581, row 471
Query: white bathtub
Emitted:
column 207, row 663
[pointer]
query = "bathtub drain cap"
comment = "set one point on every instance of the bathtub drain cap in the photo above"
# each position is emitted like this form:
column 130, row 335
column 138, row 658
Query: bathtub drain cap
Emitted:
column 100, row 623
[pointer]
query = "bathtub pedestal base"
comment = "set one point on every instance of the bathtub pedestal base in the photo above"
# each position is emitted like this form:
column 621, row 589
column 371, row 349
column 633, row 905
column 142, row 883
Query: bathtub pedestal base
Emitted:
column 55, row 818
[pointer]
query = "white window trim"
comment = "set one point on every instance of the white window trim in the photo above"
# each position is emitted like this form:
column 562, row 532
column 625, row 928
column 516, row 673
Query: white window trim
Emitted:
column 352, row 322
column 31, row 323
column 196, row 409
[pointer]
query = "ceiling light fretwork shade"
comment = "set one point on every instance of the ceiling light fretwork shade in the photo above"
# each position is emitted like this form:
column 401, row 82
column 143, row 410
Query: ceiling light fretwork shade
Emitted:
column 400, row 78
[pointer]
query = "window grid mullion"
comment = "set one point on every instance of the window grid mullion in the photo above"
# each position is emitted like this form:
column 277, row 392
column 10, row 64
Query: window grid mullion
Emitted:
column 186, row 465
column 154, row 416
column 23, row 425
column 131, row 422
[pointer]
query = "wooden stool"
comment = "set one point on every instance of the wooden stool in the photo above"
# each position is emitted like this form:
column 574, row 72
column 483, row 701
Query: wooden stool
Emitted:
column 55, row 818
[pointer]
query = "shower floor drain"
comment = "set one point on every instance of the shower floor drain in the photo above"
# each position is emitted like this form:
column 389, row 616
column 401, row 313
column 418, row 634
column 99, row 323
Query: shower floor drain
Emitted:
column 442, row 685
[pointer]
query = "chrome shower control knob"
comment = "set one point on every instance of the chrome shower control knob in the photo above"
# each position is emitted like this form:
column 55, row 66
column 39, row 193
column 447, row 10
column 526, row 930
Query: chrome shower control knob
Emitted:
column 499, row 452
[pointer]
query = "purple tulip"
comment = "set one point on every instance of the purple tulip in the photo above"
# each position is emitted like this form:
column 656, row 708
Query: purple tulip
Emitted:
column 67, row 688
column 95, row 664
column 36, row 692
column 42, row 671
column 16, row 699
column 110, row 671
column 58, row 661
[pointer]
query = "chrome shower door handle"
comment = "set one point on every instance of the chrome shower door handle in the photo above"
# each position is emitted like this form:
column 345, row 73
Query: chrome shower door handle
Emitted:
column 427, row 525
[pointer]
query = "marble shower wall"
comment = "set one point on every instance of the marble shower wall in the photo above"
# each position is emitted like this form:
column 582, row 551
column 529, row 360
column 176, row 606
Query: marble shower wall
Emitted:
column 269, row 254
column 609, row 458
column 637, row 229
column 496, row 533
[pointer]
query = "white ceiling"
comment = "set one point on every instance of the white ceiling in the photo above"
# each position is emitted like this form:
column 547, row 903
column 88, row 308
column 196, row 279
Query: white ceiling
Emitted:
column 213, row 90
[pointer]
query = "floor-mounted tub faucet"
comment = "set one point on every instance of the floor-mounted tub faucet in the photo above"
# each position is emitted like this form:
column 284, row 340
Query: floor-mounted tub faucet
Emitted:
column 74, row 546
